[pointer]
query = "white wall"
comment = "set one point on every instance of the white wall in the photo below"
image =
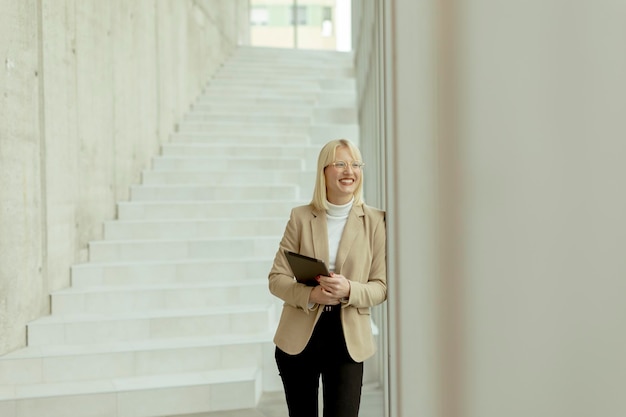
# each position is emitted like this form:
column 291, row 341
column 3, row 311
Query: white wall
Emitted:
column 505, row 144
column 540, row 142
column 90, row 91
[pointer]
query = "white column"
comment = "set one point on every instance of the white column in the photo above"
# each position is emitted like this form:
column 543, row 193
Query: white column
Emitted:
column 411, row 116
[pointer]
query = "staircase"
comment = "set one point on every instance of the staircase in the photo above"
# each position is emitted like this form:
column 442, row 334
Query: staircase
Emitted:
column 171, row 314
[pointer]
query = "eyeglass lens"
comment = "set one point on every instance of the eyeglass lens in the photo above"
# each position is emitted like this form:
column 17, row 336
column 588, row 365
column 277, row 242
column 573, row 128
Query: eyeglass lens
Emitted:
column 343, row 164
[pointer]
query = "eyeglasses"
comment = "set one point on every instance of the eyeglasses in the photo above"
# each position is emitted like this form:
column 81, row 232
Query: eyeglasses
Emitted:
column 355, row 165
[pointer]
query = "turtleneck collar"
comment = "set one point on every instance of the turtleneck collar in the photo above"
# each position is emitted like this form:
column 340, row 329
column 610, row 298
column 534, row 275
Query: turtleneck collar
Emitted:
column 339, row 211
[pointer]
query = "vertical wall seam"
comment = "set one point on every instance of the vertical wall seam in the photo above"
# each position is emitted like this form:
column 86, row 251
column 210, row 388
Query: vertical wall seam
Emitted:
column 157, row 78
column 451, row 287
column 43, row 267
column 77, row 128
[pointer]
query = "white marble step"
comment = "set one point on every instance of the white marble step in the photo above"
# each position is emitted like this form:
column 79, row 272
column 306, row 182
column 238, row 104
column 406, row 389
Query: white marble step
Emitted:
column 64, row 363
column 319, row 134
column 147, row 273
column 272, row 72
column 252, row 94
column 232, row 177
column 336, row 99
column 217, row 164
column 287, row 70
column 287, row 117
column 192, row 229
column 342, row 98
column 84, row 328
column 316, row 133
column 248, row 104
column 277, row 115
column 245, row 137
column 292, row 90
column 226, row 128
column 283, row 71
column 308, row 58
column 211, row 192
column 141, row 396
column 266, row 82
column 289, row 65
column 204, row 210
column 244, row 51
column 173, row 249
column 283, row 85
column 306, row 153
column 334, row 115
column 255, row 86
column 254, row 51
column 210, row 110
column 261, row 57
column 295, row 108
column 226, row 150
column 232, row 71
column 300, row 101
column 103, row 300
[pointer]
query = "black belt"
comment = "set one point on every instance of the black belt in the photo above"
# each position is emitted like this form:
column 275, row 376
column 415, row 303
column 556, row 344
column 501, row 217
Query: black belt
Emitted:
column 335, row 307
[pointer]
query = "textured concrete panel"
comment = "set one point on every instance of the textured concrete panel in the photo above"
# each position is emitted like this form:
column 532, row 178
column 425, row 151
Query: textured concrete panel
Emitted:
column 21, row 211
column 135, row 92
column 94, row 80
column 61, row 137
column 90, row 90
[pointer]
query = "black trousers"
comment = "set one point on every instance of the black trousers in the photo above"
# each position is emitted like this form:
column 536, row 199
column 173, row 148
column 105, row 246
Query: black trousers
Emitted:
column 326, row 356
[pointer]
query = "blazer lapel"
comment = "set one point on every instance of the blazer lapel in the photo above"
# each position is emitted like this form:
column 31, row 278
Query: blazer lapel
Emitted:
column 354, row 228
column 319, row 231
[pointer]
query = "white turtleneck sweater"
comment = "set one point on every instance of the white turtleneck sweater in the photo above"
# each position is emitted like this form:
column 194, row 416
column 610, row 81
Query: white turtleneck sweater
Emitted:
column 336, row 216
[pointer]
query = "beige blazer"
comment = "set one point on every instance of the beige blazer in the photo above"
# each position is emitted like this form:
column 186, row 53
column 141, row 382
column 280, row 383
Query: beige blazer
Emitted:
column 361, row 258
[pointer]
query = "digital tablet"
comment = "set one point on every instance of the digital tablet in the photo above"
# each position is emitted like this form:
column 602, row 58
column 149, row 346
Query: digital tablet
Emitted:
column 305, row 268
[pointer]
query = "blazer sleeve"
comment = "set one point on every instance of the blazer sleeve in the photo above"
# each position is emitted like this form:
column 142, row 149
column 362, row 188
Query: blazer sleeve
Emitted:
column 372, row 290
column 281, row 281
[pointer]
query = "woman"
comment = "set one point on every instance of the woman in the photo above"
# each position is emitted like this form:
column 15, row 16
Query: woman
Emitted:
column 325, row 330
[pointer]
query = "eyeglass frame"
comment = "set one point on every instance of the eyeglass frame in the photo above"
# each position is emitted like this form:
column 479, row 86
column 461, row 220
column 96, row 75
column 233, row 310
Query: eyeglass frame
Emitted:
column 355, row 165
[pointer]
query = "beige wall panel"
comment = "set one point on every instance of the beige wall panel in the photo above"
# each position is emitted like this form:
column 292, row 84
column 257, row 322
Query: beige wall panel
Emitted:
column 22, row 290
column 541, row 104
column 134, row 92
column 95, row 117
column 193, row 40
column 510, row 116
column 61, row 138
column 210, row 38
column 169, row 39
column 414, row 280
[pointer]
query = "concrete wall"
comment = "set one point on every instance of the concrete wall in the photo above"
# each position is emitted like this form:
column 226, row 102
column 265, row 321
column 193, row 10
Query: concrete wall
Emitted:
column 90, row 89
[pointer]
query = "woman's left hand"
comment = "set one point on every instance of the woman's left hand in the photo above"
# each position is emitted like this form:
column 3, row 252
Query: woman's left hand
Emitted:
column 335, row 285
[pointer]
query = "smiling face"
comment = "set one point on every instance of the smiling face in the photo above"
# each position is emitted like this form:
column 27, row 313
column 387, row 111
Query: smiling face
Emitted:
column 341, row 183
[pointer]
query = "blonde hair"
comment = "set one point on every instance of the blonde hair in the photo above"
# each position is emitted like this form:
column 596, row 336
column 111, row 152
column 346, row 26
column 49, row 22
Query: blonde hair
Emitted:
column 326, row 157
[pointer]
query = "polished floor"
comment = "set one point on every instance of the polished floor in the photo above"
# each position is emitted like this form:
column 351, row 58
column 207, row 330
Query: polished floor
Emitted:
column 273, row 405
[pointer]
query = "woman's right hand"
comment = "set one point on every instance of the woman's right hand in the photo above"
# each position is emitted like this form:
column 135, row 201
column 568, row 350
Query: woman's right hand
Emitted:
column 320, row 296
